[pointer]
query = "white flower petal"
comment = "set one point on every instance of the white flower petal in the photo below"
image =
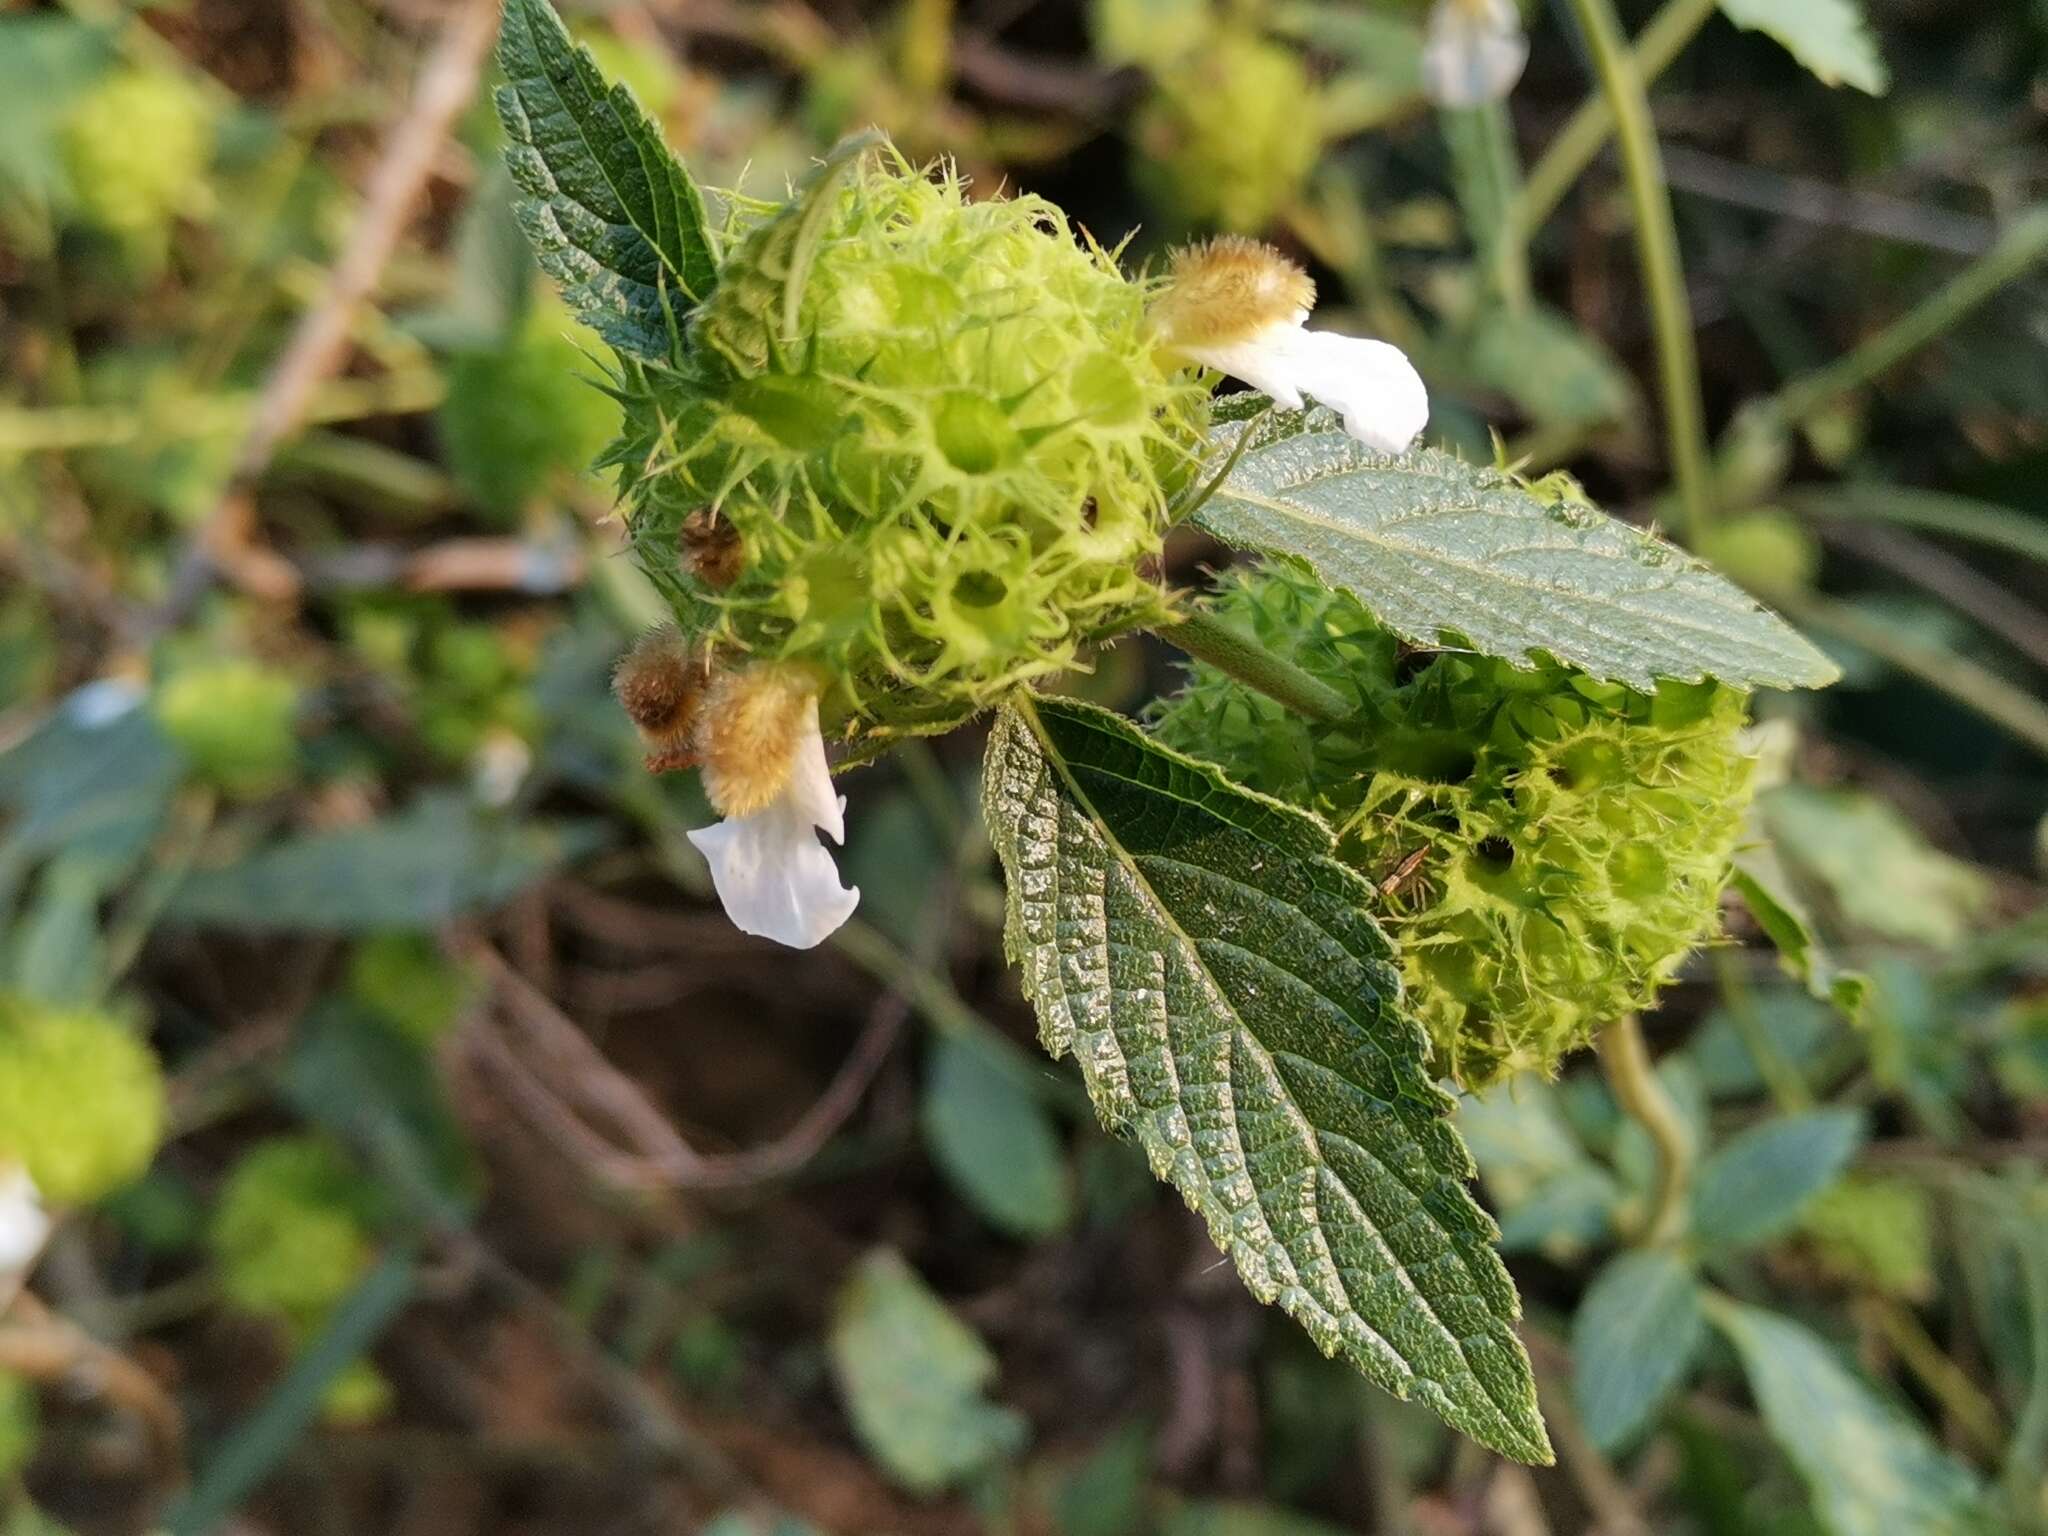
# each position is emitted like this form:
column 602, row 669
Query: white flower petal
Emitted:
column 776, row 880
column 23, row 1223
column 1383, row 401
column 1473, row 52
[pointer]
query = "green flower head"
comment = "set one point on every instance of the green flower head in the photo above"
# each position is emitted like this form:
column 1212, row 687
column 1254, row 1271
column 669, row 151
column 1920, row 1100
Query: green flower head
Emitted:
column 1549, row 847
column 81, row 1100
column 921, row 446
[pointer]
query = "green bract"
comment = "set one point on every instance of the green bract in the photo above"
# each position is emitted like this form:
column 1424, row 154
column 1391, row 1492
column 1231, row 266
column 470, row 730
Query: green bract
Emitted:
column 938, row 433
column 1549, row 846
column 81, row 1100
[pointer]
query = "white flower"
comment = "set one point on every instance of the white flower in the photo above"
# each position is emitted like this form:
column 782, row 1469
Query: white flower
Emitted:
column 1473, row 52
column 24, row 1225
column 1241, row 307
column 773, row 875
column 1383, row 401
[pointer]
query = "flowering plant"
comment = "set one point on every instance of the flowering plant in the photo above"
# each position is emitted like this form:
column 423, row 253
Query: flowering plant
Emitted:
column 1456, row 776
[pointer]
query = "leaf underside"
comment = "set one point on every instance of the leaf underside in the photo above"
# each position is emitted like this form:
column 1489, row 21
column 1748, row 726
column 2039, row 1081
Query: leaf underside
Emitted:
column 1443, row 552
column 612, row 215
column 1233, row 1006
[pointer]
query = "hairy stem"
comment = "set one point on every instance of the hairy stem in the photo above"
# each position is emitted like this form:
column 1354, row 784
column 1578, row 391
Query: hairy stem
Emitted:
column 1626, row 1060
column 1657, row 252
column 1230, row 650
column 1586, row 133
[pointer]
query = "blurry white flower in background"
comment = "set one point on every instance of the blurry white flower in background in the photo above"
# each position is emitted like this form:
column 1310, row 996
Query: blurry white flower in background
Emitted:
column 1473, row 52
column 24, row 1226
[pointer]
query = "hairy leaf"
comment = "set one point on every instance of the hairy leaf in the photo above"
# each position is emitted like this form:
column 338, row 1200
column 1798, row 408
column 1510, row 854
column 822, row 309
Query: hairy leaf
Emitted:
column 1832, row 38
column 1235, row 1009
column 1441, row 551
column 1756, row 1185
column 1872, row 1471
column 1634, row 1337
column 613, row 216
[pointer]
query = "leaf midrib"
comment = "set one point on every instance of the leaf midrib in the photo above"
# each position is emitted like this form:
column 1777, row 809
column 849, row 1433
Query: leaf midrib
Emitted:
column 1026, row 707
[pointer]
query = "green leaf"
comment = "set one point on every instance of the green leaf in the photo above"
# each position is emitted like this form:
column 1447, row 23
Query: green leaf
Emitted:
column 1755, row 1186
column 1832, row 38
column 612, row 214
column 1234, row 1008
column 912, row 1375
column 1881, row 875
column 1634, row 1338
column 1443, row 552
column 1229, row 1517
column 995, row 1143
column 1549, row 1192
column 1760, row 880
column 1871, row 1470
column 439, row 859
column 1557, row 374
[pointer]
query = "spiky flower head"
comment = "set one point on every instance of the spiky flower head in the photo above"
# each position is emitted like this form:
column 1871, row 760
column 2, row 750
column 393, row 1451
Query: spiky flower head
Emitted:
column 1549, row 847
column 917, row 445
column 81, row 1100
column 135, row 148
column 292, row 1231
column 1229, row 133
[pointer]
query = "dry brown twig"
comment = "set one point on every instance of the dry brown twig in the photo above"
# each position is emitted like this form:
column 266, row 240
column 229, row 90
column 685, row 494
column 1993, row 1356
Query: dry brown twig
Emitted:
column 224, row 543
column 37, row 1344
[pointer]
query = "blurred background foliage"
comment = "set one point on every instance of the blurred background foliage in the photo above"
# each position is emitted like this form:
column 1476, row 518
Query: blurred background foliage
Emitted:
column 436, row 1159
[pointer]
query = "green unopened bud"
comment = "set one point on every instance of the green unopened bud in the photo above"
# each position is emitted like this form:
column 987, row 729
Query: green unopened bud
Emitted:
column 1229, row 133
column 81, row 1100
column 1767, row 552
column 135, row 147
column 937, row 438
column 292, row 1231
column 1548, row 847
column 233, row 721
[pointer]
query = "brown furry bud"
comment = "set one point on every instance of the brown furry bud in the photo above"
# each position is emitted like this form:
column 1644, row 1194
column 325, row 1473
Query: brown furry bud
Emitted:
column 752, row 723
column 1227, row 289
column 661, row 685
column 710, row 547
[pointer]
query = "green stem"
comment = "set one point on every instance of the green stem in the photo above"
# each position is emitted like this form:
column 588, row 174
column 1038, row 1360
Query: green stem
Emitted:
column 1657, row 250
column 2004, row 704
column 1626, row 1060
column 1230, row 650
column 1930, row 511
column 1585, row 134
column 1487, row 168
column 2026, row 1461
column 2024, row 243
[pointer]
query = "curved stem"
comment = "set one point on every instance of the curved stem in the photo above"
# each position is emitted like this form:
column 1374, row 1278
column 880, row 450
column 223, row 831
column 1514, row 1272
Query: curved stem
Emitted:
column 1657, row 251
column 1626, row 1060
column 1230, row 650
column 1586, row 133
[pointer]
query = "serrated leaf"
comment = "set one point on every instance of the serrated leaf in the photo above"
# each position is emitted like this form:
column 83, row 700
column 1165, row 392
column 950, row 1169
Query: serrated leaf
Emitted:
column 994, row 1142
column 439, row 859
column 1832, row 38
column 1635, row 1336
column 1871, row 1470
column 1438, row 549
column 912, row 1375
column 612, row 215
column 1755, row 1186
column 1235, row 1009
